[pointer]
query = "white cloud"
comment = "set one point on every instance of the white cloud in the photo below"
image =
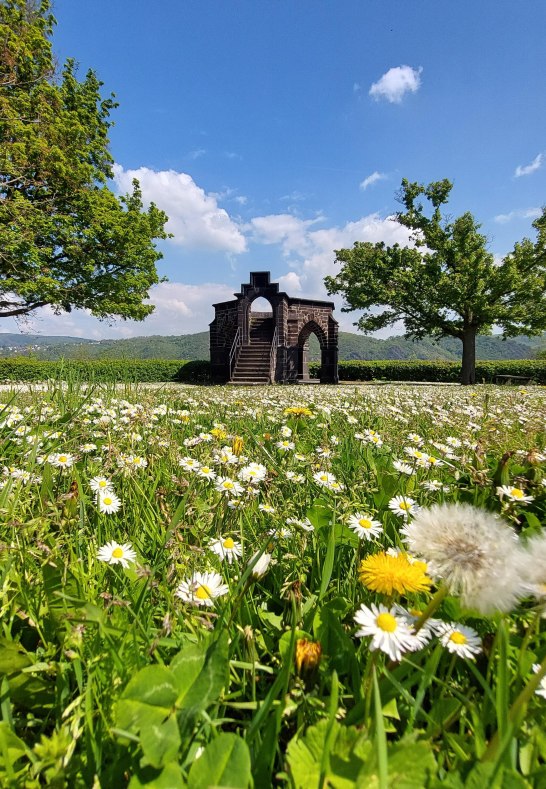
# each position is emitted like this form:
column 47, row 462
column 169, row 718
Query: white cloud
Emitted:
column 179, row 309
column 523, row 213
column 197, row 153
column 396, row 82
column 285, row 229
column 311, row 251
column 527, row 169
column 372, row 179
column 195, row 218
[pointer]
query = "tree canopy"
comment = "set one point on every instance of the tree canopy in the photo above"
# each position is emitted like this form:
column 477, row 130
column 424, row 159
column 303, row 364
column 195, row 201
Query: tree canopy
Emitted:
column 66, row 240
column 445, row 282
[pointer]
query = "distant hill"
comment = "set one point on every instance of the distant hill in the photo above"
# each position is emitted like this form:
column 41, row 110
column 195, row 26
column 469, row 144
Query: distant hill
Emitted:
column 196, row 346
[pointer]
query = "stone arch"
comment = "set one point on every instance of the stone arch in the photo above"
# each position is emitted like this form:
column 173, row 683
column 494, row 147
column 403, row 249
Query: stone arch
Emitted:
column 309, row 328
column 261, row 304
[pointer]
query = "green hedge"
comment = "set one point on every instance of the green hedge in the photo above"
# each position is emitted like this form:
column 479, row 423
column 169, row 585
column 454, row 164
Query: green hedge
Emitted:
column 105, row 370
column 434, row 371
column 160, row 370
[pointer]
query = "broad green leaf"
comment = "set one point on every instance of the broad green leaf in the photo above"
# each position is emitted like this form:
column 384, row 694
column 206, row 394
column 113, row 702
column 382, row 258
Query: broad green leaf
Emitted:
column 170, row 777
column 12, row 750
column 225, row 762
column 13, row 657
column 305, row 756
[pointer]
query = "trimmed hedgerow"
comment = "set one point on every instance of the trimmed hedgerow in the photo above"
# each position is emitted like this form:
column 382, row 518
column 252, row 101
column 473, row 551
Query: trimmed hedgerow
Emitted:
column 439, row 371
column 25, row 369
column 105, row 370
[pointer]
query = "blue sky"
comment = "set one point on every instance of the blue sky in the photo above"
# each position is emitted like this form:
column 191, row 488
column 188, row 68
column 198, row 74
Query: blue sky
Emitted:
column 275, row 131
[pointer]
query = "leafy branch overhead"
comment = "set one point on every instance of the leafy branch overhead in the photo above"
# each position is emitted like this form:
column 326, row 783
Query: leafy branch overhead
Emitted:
column 66, row 240
column 446, row 283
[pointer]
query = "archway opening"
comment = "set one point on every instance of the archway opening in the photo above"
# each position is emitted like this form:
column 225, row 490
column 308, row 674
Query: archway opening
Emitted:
column 261, row 323
column 311, row 347
column 261, row 307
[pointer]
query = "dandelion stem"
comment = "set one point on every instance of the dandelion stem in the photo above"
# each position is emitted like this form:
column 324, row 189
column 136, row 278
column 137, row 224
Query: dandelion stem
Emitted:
column 431, row 607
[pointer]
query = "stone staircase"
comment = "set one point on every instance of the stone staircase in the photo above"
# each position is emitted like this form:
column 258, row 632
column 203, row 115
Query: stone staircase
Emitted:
column 252, row 366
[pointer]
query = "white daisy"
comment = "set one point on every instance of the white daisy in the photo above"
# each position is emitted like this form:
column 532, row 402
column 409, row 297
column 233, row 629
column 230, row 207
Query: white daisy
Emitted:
column 514, row 494
column 206, row 472
column 260, row 564
column 390, row 632
column 226, row 548
column 402, row 468
column 461, row 640
column 228, row 486
column 202, row 589
column 108, row 502
column 114, row 553
column 100, row 485
column 189, row 464
column 364, row 526
column 61, row 459
column 404, row 506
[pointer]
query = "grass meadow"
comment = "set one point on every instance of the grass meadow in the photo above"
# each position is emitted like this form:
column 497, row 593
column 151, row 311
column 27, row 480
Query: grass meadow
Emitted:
column 284, row 586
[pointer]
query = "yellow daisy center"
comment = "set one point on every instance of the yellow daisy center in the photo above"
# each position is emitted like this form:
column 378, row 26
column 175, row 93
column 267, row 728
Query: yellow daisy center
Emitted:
column 457, row 637
column 117, row 553
column 386, row 622
column 228, row 485
column 517, row 493
column 102, row 483
column 228, row 543
column 203, row 592
column 404, row 505
column 365, row 523
column 106, row 500
column 62, row 458
column 205, row 469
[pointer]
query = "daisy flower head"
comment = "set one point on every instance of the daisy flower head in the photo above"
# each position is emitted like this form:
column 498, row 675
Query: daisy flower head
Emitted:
column 108, row 502
column 474, row 552
column 205, row 472
column 384, row 573
column 260, row 564
column 460, row 640
column 513, row 494
column 226, row 548
column 115, row 553
column 403, row 506
column 402, row 468
column 327, row 480
column 390, row 632
column 61, row 459
column 100, row 485
column 364, row 526
column 202, row 589
column 228, row 486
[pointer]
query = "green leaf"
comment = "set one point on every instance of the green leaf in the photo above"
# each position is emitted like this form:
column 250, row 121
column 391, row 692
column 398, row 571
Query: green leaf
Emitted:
column 170, row 777
column 225, row 762
column 12, row 750
column 146, row 708
column 348, row 750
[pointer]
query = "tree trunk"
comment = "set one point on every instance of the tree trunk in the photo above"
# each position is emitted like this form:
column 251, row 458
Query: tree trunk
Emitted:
column 468, row 367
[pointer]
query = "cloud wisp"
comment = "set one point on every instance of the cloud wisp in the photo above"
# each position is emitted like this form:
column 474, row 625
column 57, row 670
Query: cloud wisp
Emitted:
column 522, row 213
column 372, row 179
column 395, row 83
column 528, row 169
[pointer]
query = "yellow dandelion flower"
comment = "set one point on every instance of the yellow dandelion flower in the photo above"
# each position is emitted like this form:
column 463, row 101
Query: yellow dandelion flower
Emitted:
column 308, row 654
column 297, row 411
column 386, row 574
column 237, row 445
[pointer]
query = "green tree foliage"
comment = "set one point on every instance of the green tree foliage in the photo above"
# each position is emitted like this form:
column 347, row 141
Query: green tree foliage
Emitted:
column 66, row 240
column 447, row 284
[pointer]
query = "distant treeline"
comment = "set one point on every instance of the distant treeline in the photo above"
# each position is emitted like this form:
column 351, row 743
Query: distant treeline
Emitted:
column 196, row 346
